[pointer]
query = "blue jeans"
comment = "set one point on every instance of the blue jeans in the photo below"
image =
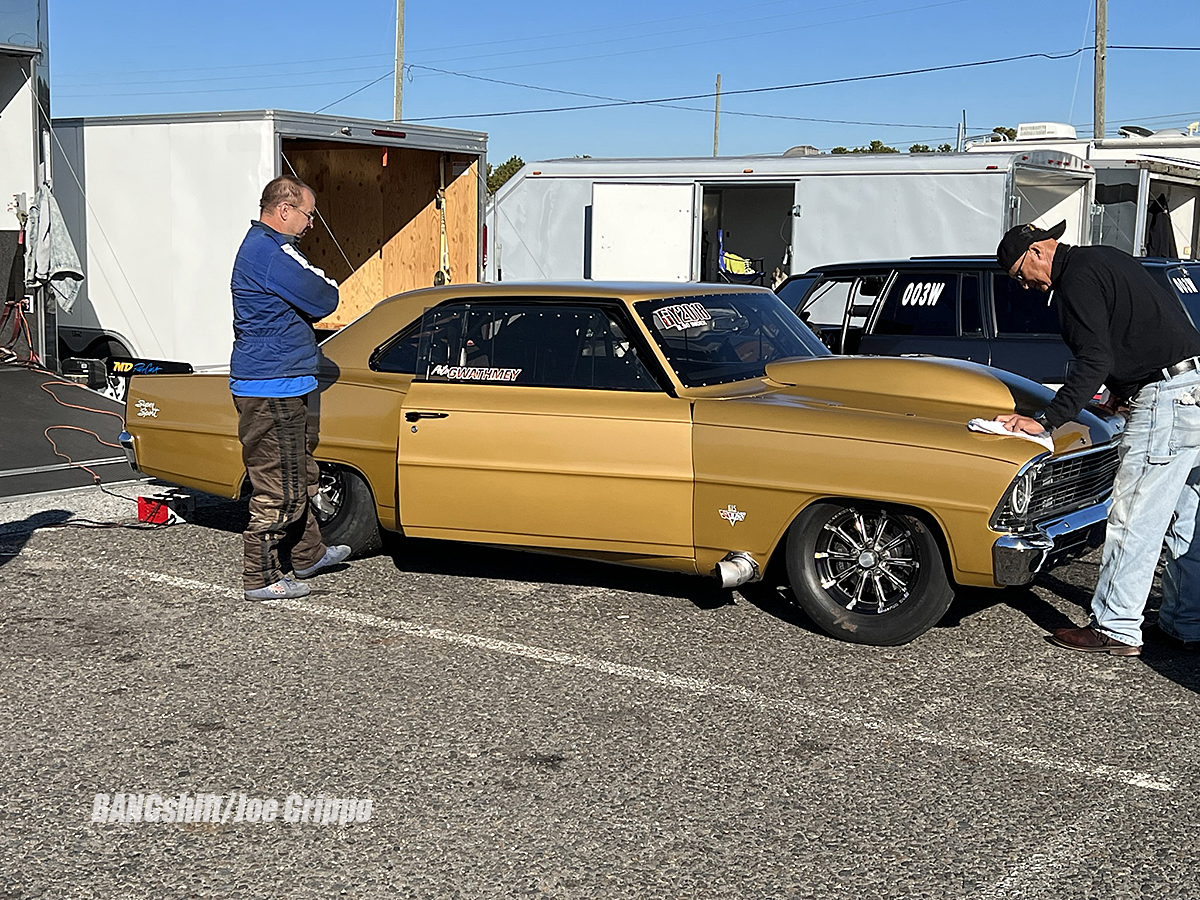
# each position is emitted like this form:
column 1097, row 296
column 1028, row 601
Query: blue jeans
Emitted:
column 1156, row 497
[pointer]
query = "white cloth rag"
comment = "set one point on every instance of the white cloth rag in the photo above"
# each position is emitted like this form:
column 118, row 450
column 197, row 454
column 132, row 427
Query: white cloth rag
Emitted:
column 991, row 426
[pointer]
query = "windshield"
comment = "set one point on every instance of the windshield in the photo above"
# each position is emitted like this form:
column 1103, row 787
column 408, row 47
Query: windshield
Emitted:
column 718, row 338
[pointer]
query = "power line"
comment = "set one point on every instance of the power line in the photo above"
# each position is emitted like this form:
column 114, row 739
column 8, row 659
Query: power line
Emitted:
column 762, row 90
column 550, row 90
column 388, row 74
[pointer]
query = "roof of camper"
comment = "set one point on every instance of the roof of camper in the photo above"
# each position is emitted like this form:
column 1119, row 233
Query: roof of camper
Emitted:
column 742, row 166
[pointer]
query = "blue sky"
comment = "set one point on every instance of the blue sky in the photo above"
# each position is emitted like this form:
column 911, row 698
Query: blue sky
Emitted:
column 114, row 58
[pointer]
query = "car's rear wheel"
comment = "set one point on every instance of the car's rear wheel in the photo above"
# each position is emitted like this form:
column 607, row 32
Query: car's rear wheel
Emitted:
column 866, row 573
column 345, row 510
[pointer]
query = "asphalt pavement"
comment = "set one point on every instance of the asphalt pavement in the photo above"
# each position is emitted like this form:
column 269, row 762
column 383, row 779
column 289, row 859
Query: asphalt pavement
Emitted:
column 533, row 726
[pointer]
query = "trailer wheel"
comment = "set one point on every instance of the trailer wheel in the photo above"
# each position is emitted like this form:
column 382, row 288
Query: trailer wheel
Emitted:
column 345, row 510
column 866, row 573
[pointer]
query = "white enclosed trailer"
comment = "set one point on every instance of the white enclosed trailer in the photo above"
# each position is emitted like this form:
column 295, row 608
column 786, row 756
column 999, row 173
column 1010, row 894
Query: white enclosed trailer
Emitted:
column 158, row 204
column 1147, row 186
column 674, row 218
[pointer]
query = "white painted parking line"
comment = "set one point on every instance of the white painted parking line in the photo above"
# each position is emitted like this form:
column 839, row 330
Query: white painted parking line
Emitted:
column 736, row 693
column 1040, row 869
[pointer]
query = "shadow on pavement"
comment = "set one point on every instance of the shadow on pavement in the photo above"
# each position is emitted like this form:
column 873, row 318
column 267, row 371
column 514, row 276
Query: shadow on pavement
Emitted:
column 1167, row 659
column 14, row 535
column 772, row 595
column 436, row 557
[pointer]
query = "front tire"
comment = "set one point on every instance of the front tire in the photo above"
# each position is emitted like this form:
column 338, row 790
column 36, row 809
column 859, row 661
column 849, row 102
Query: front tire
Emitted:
column 866, row 573
column 345, row 510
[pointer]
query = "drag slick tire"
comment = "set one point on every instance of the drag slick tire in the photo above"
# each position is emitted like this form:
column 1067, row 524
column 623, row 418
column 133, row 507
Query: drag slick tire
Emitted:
column 345, row 510
column 867, row 573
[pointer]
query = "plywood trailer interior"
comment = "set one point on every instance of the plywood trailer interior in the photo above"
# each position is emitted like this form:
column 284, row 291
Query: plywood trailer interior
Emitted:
column 381, row 229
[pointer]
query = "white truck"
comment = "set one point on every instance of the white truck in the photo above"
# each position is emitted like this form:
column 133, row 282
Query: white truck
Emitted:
column 157, row 206
column 761, row 218
column 1147, row 184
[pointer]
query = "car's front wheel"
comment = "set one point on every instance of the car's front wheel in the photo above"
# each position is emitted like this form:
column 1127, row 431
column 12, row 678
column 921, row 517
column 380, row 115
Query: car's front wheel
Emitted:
column 345, row 510
column 866, row 573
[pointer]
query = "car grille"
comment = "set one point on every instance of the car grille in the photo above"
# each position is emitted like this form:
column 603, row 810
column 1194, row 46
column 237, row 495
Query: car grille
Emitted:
column 1062, row 485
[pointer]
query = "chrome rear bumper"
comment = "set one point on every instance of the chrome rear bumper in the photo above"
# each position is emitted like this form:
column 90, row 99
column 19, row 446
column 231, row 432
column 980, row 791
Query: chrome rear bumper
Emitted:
column 1016, row 558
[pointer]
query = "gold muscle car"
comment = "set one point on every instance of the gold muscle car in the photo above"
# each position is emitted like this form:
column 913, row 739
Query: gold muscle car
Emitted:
column 684, row 427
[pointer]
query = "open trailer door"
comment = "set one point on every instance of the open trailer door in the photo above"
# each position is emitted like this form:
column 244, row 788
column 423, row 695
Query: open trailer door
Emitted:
column 1050, row 186
column 643, row 232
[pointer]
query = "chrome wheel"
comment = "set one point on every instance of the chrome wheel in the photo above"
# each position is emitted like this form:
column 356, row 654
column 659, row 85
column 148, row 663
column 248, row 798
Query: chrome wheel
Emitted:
column 345, row 510
column 867, row 562
column 331, row 494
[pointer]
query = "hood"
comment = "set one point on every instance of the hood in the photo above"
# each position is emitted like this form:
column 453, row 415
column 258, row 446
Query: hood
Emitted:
column 924, row 401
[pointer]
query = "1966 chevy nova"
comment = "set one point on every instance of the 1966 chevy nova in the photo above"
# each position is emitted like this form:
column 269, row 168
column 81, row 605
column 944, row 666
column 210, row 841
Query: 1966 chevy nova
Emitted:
column 690, row 428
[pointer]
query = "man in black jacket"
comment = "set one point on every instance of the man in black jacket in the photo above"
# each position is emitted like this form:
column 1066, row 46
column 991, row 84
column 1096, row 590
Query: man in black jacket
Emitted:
column 1130, row 334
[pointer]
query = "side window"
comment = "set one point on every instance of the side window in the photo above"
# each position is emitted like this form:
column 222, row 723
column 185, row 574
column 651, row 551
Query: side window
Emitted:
column 549, row 346
column 826, row 305
column 1019, row 311
column 921, row 304
column 793, row 290
column 972, row 318
column 434, row 329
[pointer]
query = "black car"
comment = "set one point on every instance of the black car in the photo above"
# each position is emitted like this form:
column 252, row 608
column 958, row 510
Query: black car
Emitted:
column 965, row 307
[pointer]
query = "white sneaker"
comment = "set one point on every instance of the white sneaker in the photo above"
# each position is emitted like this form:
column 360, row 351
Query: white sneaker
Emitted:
column 284, row 589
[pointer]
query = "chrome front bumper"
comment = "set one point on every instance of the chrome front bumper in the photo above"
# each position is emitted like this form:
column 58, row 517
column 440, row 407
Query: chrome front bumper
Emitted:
column 126, row 440
column 1016, row 558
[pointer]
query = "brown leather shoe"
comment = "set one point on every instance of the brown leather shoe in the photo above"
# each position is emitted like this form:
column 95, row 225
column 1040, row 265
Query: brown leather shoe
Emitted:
column 1089, row 640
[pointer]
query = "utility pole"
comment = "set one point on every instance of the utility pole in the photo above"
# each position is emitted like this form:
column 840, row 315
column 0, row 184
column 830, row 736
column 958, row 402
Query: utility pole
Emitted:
column 717, row 115
column 399, row 56
column 1101, row 57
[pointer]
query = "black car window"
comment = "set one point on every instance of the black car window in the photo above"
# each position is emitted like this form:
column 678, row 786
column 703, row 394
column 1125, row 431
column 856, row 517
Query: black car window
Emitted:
column 793, row 290
column 922, row 303
column 1020, row 311
column 547, row 346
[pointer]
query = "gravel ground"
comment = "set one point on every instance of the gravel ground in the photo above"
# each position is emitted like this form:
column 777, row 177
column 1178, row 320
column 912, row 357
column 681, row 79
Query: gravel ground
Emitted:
column 530, row 726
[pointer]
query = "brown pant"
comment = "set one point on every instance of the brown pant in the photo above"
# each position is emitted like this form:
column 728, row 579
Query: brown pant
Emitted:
column 277, row 445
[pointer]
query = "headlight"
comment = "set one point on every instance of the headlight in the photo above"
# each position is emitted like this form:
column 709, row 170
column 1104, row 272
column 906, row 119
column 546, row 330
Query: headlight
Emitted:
column 1022, row 491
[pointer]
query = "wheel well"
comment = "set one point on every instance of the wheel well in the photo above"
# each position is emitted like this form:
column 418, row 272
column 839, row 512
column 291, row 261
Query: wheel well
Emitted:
column 777, row 561
column 245, row 490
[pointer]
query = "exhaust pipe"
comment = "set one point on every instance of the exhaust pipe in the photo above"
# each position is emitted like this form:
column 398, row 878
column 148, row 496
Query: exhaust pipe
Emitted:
column 736, row 569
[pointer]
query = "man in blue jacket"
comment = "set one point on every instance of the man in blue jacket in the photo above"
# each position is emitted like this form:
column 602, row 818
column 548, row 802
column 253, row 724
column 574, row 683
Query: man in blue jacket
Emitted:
column 277, row 295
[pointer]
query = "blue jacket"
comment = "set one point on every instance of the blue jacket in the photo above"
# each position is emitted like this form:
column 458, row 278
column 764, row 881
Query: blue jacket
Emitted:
column 277, row 295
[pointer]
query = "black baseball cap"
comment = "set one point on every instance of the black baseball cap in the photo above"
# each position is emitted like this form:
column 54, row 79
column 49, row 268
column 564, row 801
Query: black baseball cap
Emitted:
column 1018, row 239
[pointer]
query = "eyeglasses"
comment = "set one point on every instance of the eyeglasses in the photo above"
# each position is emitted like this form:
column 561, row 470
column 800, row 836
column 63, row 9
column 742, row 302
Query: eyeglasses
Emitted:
column 312, row 216
column 1019, row 275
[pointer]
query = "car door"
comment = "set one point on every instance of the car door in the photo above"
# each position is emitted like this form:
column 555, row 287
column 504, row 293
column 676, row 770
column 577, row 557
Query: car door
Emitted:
column 929, row 312
column 540, row 424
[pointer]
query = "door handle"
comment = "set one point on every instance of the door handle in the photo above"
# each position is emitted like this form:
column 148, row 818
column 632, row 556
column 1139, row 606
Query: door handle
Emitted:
column 413, row 415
